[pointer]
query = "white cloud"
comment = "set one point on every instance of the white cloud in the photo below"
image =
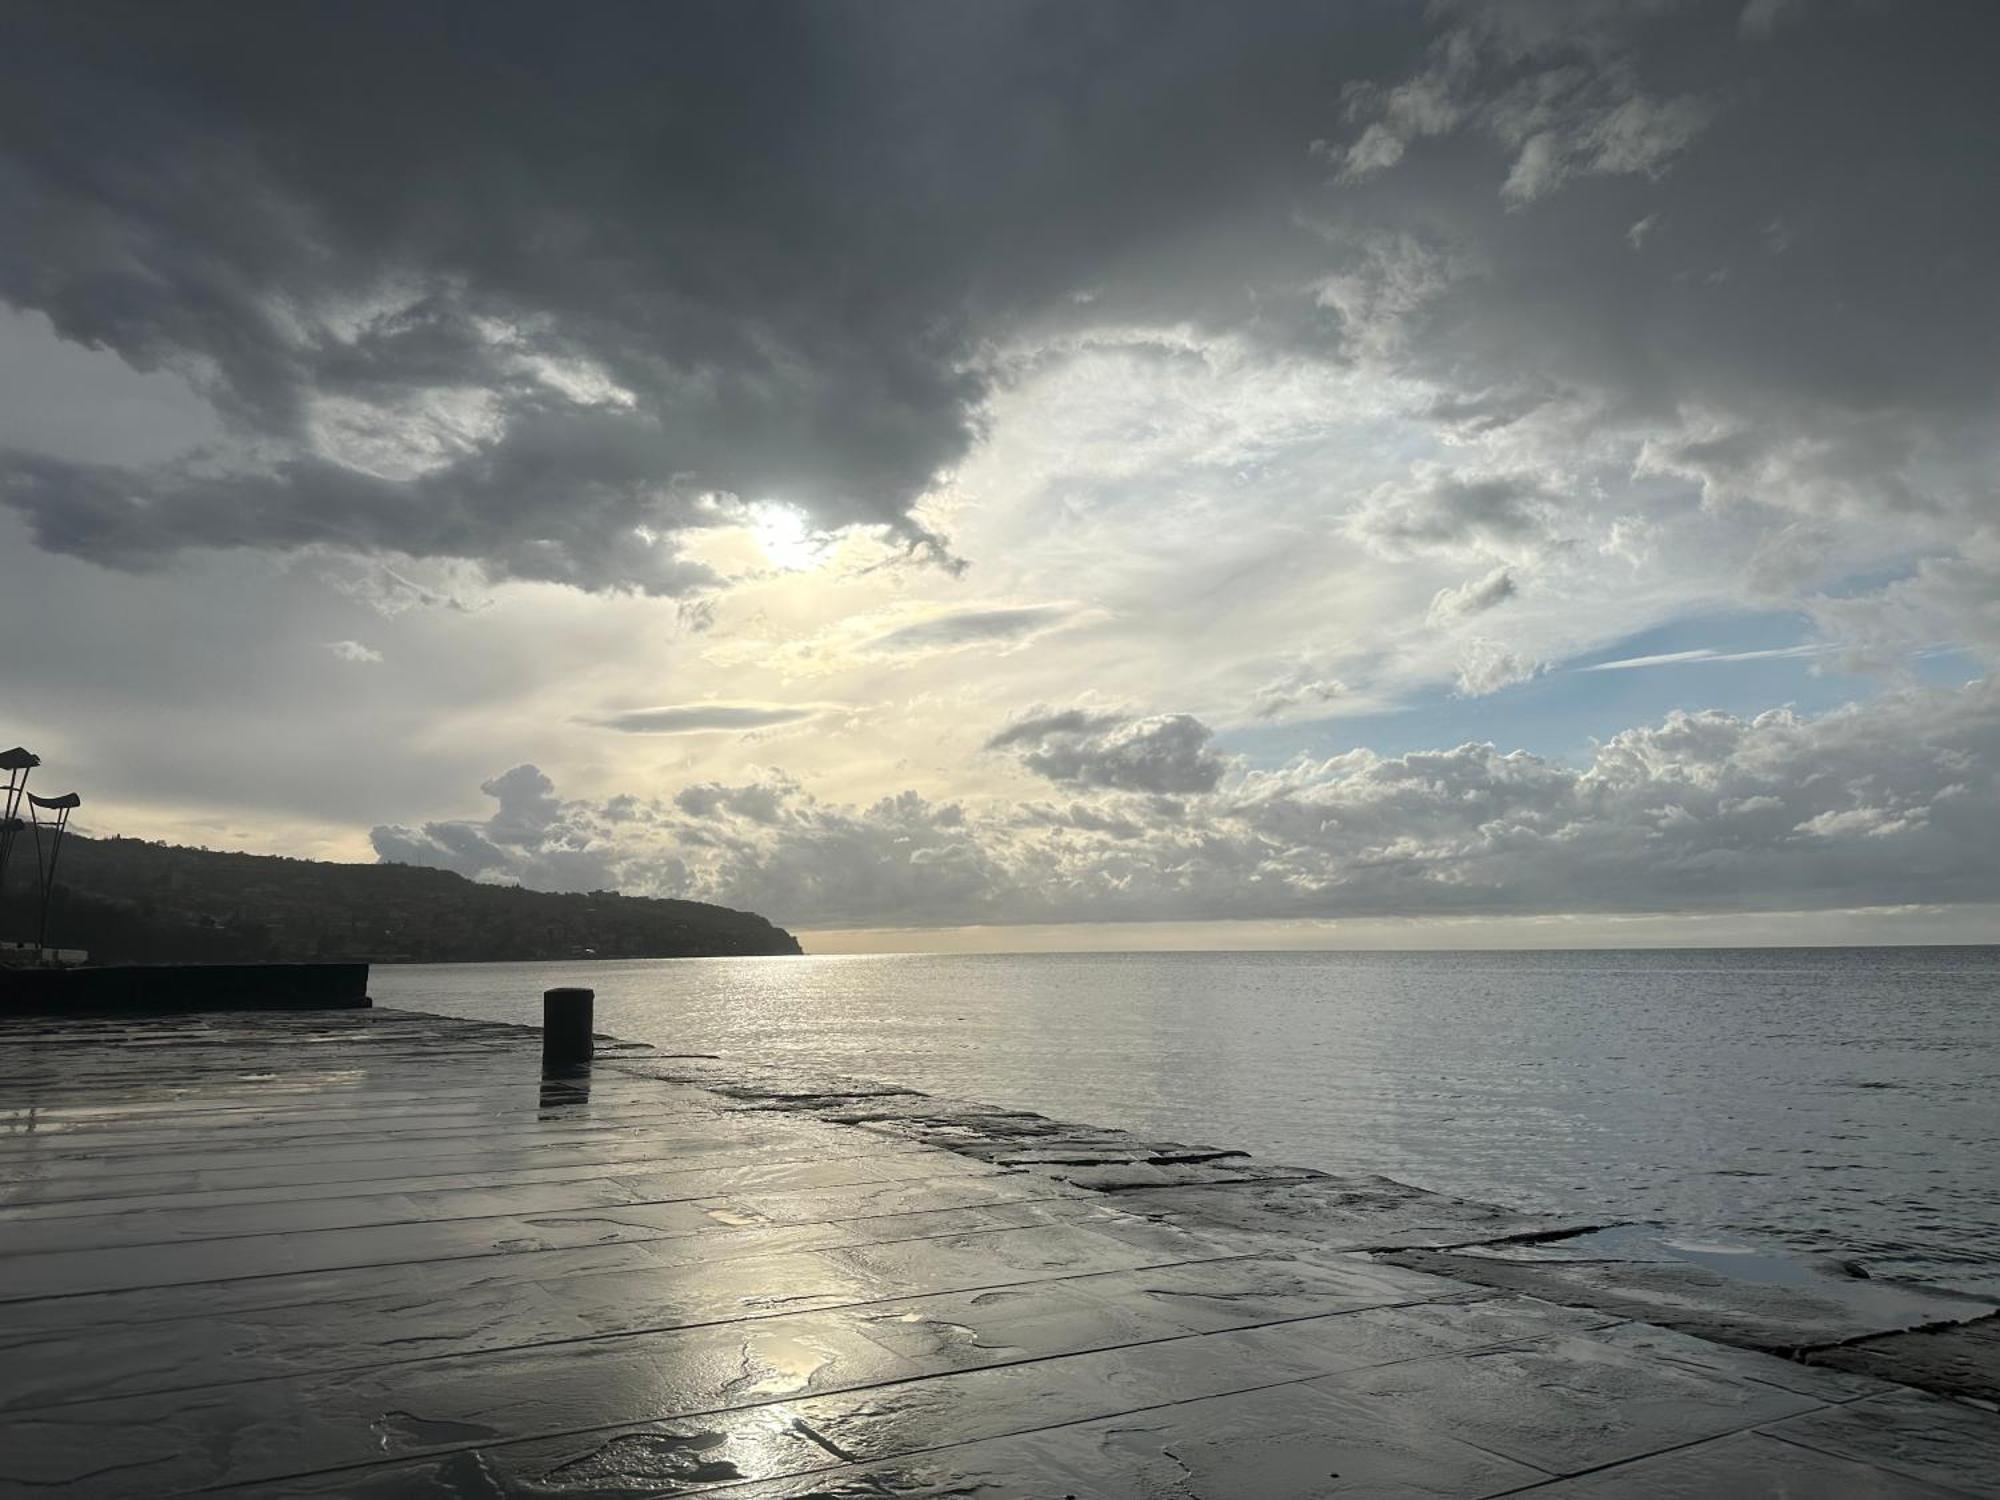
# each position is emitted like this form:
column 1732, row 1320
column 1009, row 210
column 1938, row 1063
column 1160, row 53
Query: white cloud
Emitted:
column 1486, row 666
column 1705, row 654
column 1386, row 280
column 1301, row 687
column 1473, row 597
column 1944, row 600
column 391, row 590
column 710, row 717
column 353, row 651
column 951, row 629
column 1867, row 822
column 1455, row 513
column 1564, row 98
column 1629, row 134
column 906, row 634
column 424, row 431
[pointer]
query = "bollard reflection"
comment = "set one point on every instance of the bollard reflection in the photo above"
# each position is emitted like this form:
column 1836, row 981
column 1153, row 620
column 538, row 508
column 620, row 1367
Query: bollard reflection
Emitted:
column 563, row 1097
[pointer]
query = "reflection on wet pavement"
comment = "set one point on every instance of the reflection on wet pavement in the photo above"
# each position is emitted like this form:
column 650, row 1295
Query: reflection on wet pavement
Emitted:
column 414, row 1267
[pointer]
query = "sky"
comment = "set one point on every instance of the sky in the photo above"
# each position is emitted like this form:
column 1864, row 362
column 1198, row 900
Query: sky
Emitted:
column 1018, row 475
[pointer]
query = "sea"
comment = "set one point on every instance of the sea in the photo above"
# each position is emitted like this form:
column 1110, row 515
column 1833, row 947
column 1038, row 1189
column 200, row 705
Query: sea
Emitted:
column 1822, row 1101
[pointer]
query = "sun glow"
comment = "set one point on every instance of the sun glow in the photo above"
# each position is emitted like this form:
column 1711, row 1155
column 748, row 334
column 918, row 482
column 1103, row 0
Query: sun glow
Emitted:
column 784, row 534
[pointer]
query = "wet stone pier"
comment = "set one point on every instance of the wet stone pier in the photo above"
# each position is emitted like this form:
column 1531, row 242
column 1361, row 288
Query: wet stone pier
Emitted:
column 372, row 1253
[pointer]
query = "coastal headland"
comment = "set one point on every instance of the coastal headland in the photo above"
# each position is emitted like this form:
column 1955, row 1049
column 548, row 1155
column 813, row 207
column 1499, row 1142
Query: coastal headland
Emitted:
column 368, row 1252
column 133, row 901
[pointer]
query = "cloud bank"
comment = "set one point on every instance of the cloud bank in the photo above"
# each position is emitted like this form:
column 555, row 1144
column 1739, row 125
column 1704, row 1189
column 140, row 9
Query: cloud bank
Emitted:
column 1894, row 802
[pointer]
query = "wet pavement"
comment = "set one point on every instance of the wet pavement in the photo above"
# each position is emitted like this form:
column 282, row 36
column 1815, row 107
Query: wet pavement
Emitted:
column 373, row 1253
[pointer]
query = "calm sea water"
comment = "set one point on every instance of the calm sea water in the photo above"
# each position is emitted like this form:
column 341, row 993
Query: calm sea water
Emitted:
column 1823, row 1100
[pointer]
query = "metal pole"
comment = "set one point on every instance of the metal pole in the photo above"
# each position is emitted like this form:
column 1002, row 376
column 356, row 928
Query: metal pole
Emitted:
column 17, row 763
column 566, row 1033
column 62, row 807
column 45, row 881
column 49, row 885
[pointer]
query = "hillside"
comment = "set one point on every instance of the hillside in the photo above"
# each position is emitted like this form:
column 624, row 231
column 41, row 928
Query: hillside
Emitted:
column 127, row 900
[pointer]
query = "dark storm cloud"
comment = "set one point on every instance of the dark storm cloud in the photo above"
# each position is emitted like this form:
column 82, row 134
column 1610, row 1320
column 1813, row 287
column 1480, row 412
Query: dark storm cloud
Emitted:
column 467, row 282
column 1652, row 254
column 478, row 281
column 1760, row 247
column 125, row 519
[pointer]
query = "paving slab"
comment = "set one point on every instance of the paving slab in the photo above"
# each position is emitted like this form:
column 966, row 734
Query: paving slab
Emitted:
column 1960, row 1360
column 758, row 1158
column 377, row 1254
column 1745, row 1464
column 1795, row 1307
column 1925, row 1437
column 1567, row 1403
column 1283, row 1443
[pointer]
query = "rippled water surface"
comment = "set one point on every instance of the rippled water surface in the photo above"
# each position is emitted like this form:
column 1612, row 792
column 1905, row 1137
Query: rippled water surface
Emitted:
column 1830, row 1100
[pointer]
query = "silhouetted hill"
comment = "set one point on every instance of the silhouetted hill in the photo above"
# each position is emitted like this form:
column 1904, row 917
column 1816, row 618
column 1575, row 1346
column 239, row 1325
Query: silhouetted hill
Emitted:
column 127, row 900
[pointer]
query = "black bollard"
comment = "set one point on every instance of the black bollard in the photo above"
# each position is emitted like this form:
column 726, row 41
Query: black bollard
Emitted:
column 566, row 1030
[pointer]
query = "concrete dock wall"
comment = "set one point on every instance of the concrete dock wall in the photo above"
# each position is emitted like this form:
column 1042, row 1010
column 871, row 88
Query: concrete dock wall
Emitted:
column 141, row 989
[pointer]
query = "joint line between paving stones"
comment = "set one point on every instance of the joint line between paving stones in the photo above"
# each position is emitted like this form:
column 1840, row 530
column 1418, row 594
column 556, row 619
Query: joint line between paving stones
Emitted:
column 25, row 1146
column 532, row 1215
column 583, row 1166
column 646, row 1239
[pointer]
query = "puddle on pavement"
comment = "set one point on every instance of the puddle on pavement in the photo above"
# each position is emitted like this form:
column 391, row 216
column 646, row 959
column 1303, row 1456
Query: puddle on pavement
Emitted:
column 648, row 1458
column 1738, row 1261
column 401, row 1431
column 781, row 1366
